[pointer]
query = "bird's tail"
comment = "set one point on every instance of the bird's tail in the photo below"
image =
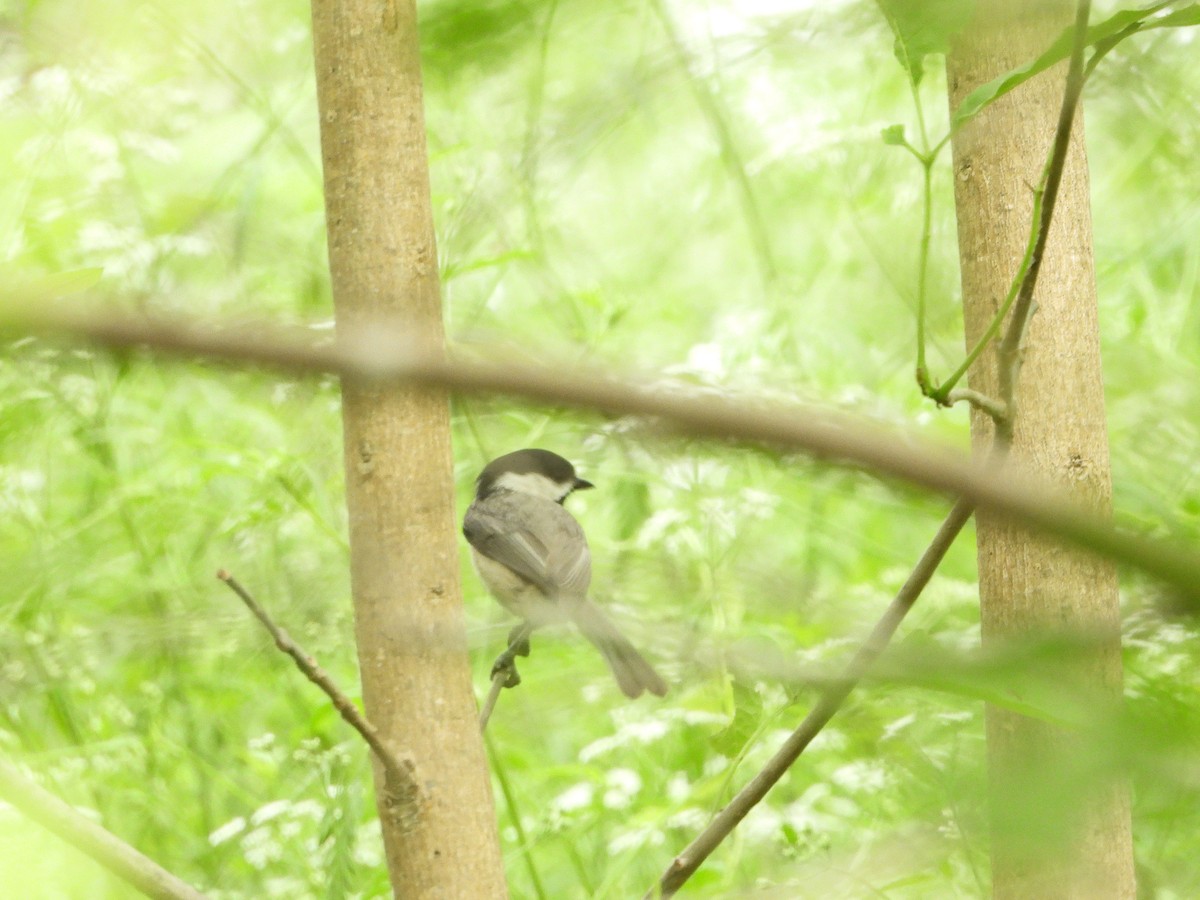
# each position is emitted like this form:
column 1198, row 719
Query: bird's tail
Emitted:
column 632, row 672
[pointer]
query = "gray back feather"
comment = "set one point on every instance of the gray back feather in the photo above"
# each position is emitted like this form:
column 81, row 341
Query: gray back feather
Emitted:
column 536, row 538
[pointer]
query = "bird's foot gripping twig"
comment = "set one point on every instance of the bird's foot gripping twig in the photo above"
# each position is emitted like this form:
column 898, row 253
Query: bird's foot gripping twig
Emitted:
column 505, row 663
column 504, row 670
column 518, row 645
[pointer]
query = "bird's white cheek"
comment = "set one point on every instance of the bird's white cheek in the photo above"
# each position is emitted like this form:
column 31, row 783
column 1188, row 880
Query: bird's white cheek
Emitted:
column 534, row 485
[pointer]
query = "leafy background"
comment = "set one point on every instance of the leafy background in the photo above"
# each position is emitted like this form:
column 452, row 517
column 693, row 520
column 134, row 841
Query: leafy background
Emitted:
column 697, row 191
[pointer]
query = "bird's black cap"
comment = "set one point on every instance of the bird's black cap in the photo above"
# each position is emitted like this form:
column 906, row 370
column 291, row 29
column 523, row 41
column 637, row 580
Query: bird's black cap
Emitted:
column 531, row 461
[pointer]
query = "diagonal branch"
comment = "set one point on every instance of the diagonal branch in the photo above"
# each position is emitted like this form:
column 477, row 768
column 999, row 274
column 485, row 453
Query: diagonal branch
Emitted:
column 103, row 846
column 403, row 791
column 831, row 700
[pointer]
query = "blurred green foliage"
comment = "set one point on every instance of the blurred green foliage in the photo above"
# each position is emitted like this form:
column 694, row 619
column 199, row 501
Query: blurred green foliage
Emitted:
column 697, row 191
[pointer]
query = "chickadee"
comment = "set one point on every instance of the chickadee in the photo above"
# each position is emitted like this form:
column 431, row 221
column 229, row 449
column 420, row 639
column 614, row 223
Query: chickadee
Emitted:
column 534, row 558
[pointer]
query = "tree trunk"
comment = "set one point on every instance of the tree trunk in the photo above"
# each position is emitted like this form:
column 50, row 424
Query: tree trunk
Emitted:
column 1030, row 586
column 399, row 484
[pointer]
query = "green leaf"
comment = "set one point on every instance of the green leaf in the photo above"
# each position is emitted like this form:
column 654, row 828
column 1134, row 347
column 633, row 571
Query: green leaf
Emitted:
column 893, row 136
column 1107, row 33
column 1181, row 18
column 924, row 27
column 749, row 710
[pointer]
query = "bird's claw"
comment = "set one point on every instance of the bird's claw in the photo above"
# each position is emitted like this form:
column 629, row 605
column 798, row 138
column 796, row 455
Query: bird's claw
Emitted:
column 505, row 663
column 518, row 645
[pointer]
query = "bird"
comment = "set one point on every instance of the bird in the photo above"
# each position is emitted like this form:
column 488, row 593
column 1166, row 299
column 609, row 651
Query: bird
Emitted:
column 533, row 557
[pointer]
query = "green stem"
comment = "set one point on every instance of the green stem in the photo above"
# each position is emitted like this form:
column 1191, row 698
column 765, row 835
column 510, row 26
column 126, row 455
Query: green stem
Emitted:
column 514, row 815
column 941, row 392
column 926, row 157
column 923, row 270
column 1023, row 285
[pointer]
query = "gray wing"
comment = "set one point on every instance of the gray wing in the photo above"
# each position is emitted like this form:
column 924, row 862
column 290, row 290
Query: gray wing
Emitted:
column 537, row 539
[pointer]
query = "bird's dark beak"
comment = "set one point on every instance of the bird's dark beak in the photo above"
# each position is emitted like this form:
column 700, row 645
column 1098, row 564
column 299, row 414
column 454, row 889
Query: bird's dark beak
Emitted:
column 581, row 485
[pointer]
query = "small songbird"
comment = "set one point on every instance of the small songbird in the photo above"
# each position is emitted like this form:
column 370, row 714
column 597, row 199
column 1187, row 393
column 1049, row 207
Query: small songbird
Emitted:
column 533, row 556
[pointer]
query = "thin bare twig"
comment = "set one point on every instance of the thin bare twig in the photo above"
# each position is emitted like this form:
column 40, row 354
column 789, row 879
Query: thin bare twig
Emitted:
column 489, row 703
column 402, row 789
column 85, row 835
column 384, row 352
column 830, row 701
